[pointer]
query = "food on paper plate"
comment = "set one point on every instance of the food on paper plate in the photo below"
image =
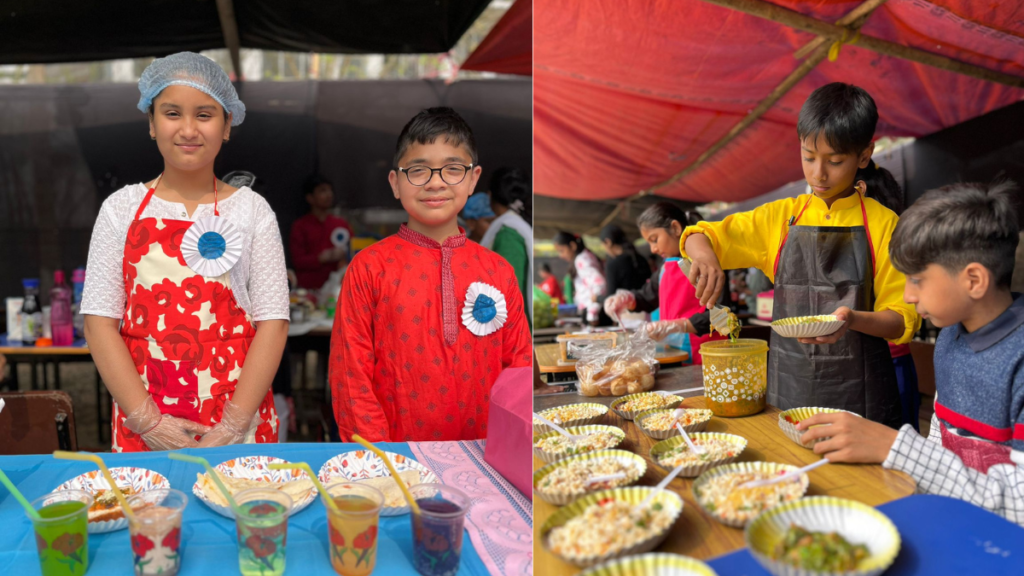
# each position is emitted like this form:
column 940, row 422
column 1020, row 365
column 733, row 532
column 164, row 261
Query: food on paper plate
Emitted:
column 819, row 551
column 296, row 489
column 393, row 496
column 558, row 444
column 607, row 527
column 106, row 505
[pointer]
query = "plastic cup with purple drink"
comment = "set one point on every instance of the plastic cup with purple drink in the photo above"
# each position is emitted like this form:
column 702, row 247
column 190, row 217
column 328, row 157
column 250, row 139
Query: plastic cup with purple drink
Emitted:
column 437, row 529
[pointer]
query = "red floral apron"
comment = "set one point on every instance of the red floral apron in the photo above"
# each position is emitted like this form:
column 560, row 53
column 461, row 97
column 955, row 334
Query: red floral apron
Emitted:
column 185, row 332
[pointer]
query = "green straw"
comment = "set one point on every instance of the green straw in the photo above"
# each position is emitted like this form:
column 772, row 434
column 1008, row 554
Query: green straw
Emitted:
column 316, row 481
column 31, row 511
column 209, row 470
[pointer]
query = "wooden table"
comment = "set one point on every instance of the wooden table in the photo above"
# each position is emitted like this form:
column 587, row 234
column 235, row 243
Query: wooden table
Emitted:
column 695, row 533
column 547, row 357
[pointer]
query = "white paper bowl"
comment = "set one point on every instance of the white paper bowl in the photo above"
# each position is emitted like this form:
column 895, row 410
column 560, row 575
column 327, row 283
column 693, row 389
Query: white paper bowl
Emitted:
column 800, row 327
column 856, row 522
column 699, row 426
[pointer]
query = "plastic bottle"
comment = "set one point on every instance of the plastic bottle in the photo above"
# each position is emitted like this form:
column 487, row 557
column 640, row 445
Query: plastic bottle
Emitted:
column 78, row 283
column 61, row 324
column 31, row 313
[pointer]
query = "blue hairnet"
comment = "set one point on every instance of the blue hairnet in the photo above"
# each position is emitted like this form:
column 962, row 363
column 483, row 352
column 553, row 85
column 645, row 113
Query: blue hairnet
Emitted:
column 193, row 70
column 478, row 206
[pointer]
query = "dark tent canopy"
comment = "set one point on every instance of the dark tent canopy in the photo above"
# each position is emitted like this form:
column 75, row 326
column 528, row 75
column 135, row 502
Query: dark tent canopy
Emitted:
column 40, row 32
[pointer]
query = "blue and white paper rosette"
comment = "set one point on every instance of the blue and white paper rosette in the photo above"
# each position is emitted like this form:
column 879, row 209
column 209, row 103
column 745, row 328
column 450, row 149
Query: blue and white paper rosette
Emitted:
column 211, row 246
column 485, row 310
column 340, row 237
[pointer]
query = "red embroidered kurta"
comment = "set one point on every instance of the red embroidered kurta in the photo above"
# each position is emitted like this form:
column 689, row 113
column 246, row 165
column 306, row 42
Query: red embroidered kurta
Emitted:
column 403, row 366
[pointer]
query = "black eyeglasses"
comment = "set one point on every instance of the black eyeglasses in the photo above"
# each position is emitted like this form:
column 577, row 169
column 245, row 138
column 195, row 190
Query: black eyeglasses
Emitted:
column 451, row 174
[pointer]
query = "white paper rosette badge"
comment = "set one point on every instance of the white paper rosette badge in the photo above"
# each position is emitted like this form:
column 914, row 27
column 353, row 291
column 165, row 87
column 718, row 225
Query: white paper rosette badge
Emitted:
column 485, row 310
column 211, row 246
column 340, row 237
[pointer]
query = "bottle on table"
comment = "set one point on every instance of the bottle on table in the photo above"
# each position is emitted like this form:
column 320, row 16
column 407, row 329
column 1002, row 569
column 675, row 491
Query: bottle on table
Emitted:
column 31, row 313
column 78, row 284
column 61, row 322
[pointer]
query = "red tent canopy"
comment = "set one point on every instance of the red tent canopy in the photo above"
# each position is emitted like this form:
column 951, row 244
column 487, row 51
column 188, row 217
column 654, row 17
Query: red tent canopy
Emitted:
column 508, row 49
column 628, row 93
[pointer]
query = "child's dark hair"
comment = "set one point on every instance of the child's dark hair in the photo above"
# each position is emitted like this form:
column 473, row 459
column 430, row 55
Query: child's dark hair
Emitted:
column 545, row 267
column 565, row 238
column 956, row 225
column 882, row 186
column 843, row 114
column 511, row 188
column 617, row 236
column 433, row 123
column 662, row 214
column 309, row 186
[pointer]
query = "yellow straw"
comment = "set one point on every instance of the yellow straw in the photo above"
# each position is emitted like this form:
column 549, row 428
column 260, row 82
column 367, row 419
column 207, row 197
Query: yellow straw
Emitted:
column 86, row 457
column 209, row 470
column 316, row 481
column 394, row 473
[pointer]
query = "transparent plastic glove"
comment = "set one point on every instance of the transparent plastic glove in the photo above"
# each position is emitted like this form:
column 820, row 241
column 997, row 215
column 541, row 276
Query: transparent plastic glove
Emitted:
column 662, row 329
column 232, row 428
column 618, row 303
column 163, row 432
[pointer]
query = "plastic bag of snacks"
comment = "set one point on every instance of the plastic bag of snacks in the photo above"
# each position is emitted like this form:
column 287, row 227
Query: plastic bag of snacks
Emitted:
column 628, row 368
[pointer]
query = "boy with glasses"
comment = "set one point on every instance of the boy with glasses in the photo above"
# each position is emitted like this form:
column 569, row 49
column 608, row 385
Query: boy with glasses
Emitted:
column 427, row 321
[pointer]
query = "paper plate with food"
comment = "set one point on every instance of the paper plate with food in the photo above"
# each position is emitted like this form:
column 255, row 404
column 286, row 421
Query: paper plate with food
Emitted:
column 566, row 480
column 552, row 446
column 718, row 493
column 249, row 472
column 659, row 423
column 609, row 524
column 571, row 415
column 807, row 326
column 715, row 448
column 629, row 407
column 823, row 535
column 106, row 514
column 365, row 467
column 790, row 418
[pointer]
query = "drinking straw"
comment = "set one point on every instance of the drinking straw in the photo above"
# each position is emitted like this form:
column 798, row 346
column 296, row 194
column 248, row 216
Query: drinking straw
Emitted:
column 394, row 473
column 209, row 470
column 87, row 457
column 29, row 509
column 316, row 481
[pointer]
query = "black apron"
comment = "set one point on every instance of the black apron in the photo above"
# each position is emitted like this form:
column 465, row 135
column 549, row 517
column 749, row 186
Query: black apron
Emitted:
column 819, row 269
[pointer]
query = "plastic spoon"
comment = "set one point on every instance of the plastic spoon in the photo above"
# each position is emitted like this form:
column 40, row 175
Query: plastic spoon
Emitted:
column 693, row 447
column 557, row 428
column 328, row 501
column 783, row 477
column 63, row 455
column 606, row 478
column 29, row 509
column 657, row 489
column 675, row 392
column 213, row 475
column 394, row 473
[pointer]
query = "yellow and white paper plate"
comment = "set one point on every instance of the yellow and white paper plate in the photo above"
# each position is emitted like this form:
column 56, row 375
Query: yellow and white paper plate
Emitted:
column 806, row 326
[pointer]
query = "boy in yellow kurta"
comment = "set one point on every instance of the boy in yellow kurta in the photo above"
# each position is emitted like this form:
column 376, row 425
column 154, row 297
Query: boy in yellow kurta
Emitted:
column 827, row 253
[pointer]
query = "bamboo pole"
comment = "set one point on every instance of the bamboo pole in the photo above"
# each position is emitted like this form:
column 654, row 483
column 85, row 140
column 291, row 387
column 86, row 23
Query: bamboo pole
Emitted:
column 229, row 26
column 853, row 20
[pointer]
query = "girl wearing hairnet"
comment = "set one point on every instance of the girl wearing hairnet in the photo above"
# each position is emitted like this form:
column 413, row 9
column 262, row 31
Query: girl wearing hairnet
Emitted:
column 186, row 294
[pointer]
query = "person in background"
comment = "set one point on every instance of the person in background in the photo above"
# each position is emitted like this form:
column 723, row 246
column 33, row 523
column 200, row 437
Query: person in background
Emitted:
column 625, row 269
column 681, row 321
column 549, row 284
column 319, row 241
column 510, row 234
column 587, row 273
column 477, row 216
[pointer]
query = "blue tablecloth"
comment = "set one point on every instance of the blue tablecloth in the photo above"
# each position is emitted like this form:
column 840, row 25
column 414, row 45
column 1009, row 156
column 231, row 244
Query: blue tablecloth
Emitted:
column 939, row 535
column 209, row 545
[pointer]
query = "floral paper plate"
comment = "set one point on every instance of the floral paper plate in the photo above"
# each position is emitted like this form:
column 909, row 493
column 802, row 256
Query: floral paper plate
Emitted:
column 139, row 479
column 363, row 464
column 255, row 468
